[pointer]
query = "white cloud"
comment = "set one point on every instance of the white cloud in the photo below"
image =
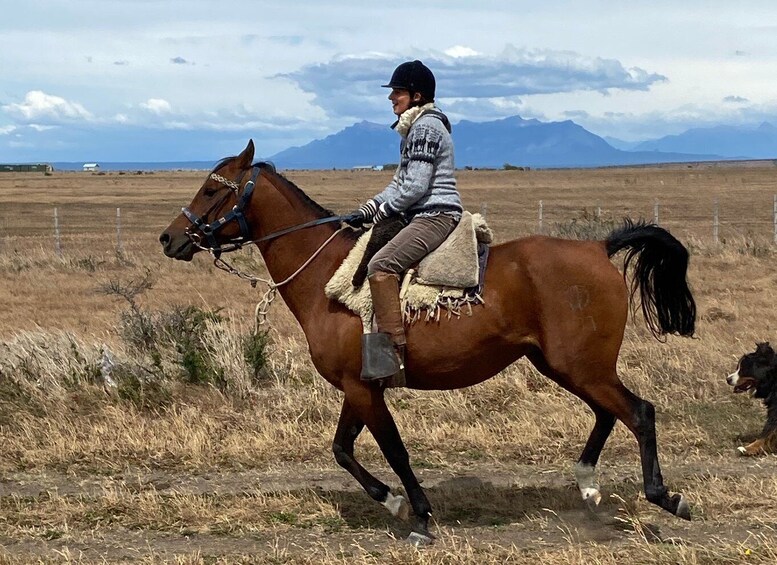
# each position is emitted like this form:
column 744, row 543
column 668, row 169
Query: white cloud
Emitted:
column 39, row 127
column 458, row 51
column 39, row 106
column 157, row 106
column 318, row 68
column 640, row 126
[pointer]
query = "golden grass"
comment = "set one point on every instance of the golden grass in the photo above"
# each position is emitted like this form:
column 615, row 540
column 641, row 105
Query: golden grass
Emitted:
column 91, row 477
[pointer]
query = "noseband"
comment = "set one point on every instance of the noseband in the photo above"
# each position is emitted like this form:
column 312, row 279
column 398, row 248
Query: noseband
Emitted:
column 208, row 230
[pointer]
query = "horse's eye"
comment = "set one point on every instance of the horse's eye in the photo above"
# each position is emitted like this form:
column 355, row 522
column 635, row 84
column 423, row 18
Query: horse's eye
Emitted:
column 210, row 192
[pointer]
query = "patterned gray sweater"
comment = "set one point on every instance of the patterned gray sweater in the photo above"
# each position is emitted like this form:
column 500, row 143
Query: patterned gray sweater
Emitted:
column 424, row 181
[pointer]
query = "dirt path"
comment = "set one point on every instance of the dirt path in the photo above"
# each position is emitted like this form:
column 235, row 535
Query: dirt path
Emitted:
column 523, row 507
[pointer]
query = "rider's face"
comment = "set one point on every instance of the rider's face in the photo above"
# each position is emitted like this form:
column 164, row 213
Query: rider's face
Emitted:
column 401, row 100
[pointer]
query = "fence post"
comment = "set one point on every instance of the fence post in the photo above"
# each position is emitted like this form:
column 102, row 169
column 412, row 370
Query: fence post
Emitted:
column 540, row 222
column 716, row 223
column 775, row 219
column 484, row 209
column 57, row 241
column 655, row 212
column 118, row 230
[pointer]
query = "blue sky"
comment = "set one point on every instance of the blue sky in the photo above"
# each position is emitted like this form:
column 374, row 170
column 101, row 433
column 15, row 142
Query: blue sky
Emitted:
column 146, row 80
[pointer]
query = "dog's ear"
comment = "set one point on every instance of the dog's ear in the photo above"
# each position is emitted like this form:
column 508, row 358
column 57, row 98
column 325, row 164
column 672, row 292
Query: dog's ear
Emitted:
column 764, row 349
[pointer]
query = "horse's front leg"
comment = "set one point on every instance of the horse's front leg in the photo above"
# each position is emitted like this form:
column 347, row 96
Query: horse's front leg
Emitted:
column 370, row 407
column 348, row 428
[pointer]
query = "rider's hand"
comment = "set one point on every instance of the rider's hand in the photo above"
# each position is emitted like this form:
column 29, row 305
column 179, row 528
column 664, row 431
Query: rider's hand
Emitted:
column 364, row 215
column 355, row 219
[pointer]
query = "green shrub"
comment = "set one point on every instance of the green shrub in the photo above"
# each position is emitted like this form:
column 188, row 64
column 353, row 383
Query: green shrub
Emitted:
column 144, row 391
column 183, row 328
column 180, row 343
column 80, row 370
column 255, row 353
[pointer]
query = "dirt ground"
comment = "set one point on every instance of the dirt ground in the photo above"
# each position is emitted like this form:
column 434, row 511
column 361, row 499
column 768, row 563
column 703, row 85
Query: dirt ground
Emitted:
column 214, row 479
column 517, row 506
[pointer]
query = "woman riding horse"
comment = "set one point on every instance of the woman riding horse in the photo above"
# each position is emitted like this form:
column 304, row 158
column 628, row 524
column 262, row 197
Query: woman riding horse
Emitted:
column 560, row 303
column 423, row 190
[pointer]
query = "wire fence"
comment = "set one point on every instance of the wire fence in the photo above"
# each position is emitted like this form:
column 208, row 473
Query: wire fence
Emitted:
column 73, row 229
column 739, row 225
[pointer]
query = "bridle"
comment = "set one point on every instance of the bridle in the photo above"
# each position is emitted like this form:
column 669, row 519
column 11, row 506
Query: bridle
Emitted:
column 207, row 231
column 237, row 213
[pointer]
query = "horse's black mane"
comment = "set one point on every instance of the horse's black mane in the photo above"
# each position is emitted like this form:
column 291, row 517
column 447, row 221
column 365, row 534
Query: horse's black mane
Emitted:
column 268, row 166
column 314, row 206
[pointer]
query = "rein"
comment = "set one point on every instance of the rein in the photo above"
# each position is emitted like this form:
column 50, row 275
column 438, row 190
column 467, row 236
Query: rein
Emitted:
column 263, row 306
column 208, row 230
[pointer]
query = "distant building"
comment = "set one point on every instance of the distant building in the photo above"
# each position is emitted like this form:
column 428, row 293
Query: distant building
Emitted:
column 367, row 168
column 91, row 167
column 26, row 168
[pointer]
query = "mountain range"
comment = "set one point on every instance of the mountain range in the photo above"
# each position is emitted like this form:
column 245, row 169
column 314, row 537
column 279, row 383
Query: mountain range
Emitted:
column 532, row 143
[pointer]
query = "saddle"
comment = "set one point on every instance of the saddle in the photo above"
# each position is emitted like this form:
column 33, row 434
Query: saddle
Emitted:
column 450, row 278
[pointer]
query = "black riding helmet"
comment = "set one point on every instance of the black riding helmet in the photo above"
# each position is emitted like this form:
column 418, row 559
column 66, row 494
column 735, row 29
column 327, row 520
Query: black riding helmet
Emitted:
column 414, row 76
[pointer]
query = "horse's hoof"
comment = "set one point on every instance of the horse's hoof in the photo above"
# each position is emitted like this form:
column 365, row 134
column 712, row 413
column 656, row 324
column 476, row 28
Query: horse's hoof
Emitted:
column 398, row 506
column 592, row 505
column 417, row 539
column 591, row 496
column 683, row 509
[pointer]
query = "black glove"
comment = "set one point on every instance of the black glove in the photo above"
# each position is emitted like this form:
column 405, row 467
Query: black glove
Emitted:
column 363, row 215
column 354, row 219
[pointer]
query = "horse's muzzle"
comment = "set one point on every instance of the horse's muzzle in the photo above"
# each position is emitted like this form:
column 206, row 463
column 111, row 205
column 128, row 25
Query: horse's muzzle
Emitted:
column 177, row 247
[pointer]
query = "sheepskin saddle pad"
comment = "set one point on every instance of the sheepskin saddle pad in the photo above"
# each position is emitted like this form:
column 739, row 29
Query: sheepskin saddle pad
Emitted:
column 449, row 278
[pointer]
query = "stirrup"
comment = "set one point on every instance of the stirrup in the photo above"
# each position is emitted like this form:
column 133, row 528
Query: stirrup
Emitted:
column 379, row 358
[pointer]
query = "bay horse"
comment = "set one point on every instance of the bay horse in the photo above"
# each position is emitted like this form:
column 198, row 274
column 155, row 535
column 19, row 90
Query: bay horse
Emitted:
column 560, row 303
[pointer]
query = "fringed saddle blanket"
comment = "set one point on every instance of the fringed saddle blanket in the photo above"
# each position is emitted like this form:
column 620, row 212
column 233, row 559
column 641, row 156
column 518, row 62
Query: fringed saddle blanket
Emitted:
column 449, row 279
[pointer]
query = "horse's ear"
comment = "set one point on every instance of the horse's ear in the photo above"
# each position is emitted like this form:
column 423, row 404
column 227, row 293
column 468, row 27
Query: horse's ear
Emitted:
column 247, row 156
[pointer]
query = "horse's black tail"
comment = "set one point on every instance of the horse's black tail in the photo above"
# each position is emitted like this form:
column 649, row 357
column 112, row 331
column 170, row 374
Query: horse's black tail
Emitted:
column 661, row 264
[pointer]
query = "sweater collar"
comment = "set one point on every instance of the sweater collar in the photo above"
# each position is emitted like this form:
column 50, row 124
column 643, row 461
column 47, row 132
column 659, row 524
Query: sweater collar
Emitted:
column 409, row 116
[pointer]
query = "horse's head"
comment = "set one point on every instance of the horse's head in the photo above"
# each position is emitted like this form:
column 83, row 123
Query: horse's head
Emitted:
column 214, row 220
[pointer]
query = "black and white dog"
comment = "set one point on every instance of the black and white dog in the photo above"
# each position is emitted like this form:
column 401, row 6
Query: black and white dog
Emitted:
column 757, row 371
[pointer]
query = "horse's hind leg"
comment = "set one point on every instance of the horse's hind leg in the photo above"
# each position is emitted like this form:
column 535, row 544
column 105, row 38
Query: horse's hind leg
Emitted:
column 640, row 417
column 349, row 426
column 585, row 468
column 610, row 399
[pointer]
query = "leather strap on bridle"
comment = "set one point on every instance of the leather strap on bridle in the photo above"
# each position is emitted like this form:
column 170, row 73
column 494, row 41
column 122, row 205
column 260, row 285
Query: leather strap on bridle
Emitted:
column 236, row 213
column 208, row 230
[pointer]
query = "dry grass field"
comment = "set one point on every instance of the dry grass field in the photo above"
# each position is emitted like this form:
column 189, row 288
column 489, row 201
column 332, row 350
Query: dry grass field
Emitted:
column 225, row 457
